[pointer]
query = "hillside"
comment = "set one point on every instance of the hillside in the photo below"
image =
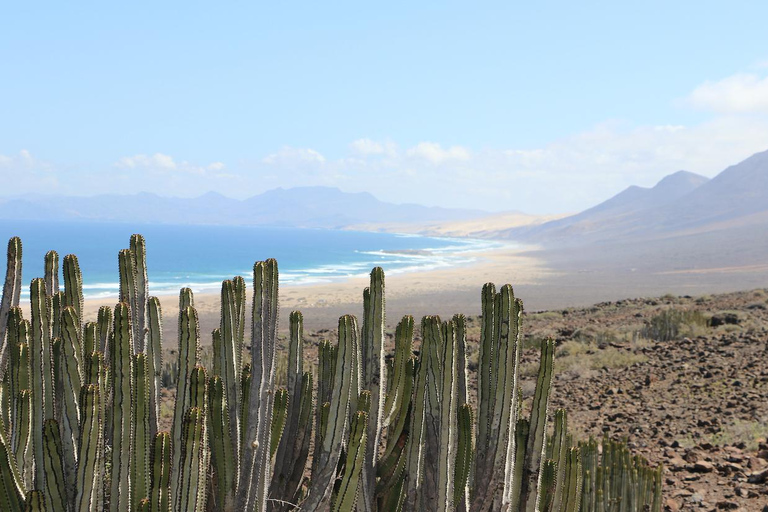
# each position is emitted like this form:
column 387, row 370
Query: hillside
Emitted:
column 679, row 377
column 682, row 203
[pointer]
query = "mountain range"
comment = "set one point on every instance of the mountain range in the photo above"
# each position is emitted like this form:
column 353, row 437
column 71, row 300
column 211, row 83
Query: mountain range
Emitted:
column 309, row 207
column 681, row 204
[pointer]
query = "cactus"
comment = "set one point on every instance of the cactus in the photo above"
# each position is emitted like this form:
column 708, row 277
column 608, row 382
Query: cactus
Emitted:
column 190, row 496
column 160, row 477
column 121, row 371
column 345, row 498
column 332, row 426
column 80, row 404
column 616, row 480
column 373, row 377
column 91, row 451
column 11, row 295
column 294, row 444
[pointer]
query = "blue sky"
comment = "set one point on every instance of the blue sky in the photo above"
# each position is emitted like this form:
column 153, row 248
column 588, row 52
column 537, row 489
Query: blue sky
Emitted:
column 541, row 107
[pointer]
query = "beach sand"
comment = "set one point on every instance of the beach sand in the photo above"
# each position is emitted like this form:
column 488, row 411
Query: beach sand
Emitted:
column 441, row 291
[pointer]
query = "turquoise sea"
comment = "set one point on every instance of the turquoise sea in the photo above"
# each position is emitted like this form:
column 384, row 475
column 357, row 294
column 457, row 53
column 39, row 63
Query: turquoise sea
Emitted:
column 200, row 257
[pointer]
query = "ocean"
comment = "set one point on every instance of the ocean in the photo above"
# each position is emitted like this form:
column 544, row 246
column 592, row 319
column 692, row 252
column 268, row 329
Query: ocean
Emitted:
column 200, row 257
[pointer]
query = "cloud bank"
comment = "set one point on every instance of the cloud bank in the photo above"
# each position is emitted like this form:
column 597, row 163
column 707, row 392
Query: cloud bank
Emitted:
column 566, row 175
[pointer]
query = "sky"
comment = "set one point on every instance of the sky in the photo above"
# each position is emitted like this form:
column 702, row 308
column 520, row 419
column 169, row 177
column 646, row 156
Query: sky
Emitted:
column 541, row 107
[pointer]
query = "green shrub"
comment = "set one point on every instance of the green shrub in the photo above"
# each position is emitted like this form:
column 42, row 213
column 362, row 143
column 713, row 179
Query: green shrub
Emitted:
column 671, row 324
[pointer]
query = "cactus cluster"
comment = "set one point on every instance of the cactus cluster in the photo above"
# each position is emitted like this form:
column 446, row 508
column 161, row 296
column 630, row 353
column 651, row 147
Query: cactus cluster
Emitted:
column 80, row 409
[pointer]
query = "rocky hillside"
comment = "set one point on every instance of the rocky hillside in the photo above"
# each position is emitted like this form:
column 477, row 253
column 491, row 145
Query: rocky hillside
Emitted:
column 684, row 379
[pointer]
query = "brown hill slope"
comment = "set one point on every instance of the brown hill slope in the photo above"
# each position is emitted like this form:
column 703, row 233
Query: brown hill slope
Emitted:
column 679, row 203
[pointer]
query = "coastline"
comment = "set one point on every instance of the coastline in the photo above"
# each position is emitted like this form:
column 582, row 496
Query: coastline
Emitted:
column 443, row 291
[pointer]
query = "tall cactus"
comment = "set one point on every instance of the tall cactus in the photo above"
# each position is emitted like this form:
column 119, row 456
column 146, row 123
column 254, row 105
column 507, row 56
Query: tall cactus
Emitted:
column 41, row 383
column 255, row 472
column 290, row 452
column 72, row 381
column 73, row 287
column 154, row 351
column 228, row 360
column 335, row 412
column 160, row 477
column 121, row 375
column 11, row 294
column 140, row 436
column 80, row 397
column 189, row 358
column 91, row 451
column 373, row 378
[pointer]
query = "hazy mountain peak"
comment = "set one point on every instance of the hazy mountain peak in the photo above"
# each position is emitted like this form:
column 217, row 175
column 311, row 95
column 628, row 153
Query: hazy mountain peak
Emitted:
column 681, row 180
column 679, row 202
column 317, row 207
column 215, row 196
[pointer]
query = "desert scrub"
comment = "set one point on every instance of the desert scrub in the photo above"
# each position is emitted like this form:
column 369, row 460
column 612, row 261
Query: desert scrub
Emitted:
column 749, row 432
column 671, row 324
column 576, row 356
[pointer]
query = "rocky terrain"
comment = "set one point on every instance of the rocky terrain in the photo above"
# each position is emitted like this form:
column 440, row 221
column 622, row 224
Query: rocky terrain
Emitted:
column 696, row 402
column 683, row 379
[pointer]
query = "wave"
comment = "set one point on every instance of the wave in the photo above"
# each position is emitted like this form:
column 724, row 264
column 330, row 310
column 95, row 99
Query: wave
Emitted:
column 441, row 253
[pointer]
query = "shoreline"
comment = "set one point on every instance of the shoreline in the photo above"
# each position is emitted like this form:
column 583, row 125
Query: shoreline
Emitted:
column 443, row 291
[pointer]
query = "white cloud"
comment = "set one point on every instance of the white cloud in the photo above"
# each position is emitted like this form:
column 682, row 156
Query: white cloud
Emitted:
column 294, row 156
column 165, row 163
column 28, row 174
column 367, row 147
column 158, row 161
column 434, row 153
column 740, row 93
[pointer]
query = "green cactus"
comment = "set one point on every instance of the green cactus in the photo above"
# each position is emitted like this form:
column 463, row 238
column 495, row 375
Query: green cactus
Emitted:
column 55, row 486
column 51, row 273
column 35, row 502
column 333, row 426
column 80, row 398
column 72, row 381
column 121, row 375
column 141, row 436
column 160, row 477
column 11, row 485
column 11, row 295
column 221, row 443
column 154, row 351
column 73, row 287
column 189, row 358
column 41, row 383
column 292, row 451
column 373, row 377
column 190, row 494
column 279, row 416
column 90, row 458
column 346, row 496
column 255, row 472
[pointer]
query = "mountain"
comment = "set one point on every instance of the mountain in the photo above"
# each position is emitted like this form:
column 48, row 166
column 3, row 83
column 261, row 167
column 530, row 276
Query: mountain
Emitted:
column 684, row 233
column 612, row 216
column 740, row 191
column 315, row 207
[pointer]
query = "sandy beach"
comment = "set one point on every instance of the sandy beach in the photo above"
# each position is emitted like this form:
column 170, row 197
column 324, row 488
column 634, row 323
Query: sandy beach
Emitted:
column 442, row 291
